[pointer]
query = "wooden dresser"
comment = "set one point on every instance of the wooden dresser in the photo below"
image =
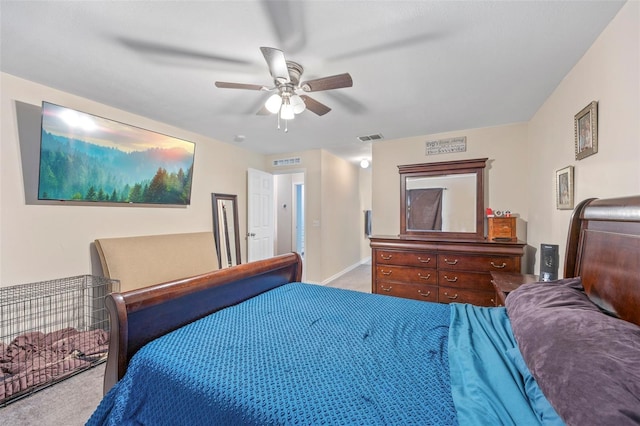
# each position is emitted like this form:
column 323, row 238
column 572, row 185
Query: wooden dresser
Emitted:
column 441, row 271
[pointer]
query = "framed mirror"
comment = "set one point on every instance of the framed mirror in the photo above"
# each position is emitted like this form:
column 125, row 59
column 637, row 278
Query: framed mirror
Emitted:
column 443, row 200
column 226, row 233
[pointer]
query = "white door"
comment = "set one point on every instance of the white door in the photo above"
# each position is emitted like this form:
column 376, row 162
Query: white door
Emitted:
column 261, row 223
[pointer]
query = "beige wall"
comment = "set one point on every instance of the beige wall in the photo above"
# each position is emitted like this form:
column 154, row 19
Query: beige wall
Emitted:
column 609, row 73
column 40, row 242
column 340, row 215
column 365, row 204
column 283, row 196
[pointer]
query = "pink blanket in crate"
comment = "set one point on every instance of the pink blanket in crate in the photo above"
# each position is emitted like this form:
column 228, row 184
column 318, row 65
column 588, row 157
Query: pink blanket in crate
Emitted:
column 33, row 359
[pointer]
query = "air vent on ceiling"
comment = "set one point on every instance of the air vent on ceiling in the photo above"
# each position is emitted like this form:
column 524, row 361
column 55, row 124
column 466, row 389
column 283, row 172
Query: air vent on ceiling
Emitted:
column 368, row 138
column 286, row 162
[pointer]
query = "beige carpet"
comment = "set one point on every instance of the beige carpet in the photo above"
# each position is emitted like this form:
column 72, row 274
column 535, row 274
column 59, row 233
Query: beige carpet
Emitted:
column 71, row 402
column 358, row 279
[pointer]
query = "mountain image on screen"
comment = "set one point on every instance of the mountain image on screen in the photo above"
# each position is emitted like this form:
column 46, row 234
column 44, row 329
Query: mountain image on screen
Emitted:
column 76, row 170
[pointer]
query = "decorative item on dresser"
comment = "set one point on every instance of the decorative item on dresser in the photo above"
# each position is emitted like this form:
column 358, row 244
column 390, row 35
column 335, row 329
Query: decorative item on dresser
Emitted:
column 502, row 228
column 453, row 261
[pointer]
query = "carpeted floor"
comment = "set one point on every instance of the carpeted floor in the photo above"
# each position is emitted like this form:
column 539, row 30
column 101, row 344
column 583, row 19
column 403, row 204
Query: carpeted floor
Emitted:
column 358, row 279
column 71, row 402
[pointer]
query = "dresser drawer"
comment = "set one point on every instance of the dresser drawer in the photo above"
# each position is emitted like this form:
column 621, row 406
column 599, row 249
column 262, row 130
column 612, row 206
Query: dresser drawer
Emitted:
column 408, row 291
column 422, row 259
column 407, row 274
column 461, row 279
column 475, row 297
column 478, row 263
column 441, row 270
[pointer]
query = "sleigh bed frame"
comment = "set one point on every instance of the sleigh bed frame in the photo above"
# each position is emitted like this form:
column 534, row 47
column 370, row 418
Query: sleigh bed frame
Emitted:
column 603, row 248
column 139, row 316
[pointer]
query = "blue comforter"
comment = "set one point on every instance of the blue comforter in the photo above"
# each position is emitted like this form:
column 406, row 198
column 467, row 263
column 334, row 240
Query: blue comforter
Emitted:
column 307, row 354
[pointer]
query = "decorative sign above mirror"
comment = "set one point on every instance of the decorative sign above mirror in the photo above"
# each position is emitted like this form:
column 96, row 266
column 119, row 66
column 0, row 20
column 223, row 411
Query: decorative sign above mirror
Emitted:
column 443, row 200
column 446, row 146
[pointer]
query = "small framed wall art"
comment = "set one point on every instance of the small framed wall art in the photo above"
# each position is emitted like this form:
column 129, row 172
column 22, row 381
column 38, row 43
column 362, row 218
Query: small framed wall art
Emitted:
column 564, row 188
column 585, row 126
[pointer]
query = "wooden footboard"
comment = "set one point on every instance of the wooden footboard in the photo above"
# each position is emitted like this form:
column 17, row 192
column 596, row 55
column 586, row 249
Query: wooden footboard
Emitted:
column 139, row 316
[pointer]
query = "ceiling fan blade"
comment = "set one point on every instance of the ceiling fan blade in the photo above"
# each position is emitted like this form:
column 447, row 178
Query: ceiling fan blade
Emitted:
column 327, row 83
column 396, row 44
column 277, row 64
column 315, row 106
column 263, row 111
column 287, row 20
column 226, row 85
column 153, row 48
column 348, row 102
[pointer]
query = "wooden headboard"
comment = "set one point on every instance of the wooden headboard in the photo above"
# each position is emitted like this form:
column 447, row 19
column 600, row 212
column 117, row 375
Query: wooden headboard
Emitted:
column 603, row 249
column 144, row 260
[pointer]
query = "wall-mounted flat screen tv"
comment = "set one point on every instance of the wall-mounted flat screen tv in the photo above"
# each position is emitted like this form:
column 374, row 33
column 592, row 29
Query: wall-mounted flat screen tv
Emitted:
column 85, row 158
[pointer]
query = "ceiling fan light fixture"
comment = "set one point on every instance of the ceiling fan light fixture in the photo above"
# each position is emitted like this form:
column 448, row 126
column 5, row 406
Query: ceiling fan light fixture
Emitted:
column 286, row 103
column 273, row 103
column 286, row 112
column 297, row 104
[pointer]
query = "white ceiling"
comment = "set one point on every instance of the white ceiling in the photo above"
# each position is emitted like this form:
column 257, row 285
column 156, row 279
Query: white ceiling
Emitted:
column 419, row 67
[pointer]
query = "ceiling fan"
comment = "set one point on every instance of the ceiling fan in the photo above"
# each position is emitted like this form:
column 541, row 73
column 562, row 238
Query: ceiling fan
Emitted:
column 289, row 98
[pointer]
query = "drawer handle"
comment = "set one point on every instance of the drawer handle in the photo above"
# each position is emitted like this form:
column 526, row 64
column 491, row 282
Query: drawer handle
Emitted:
column 421, row 260
column 498, row 266
column 387, row 289
column 386, row 257
column 448, row 262
column 424, row 277
column 387, row 273
column 454, row 297
column 427, row 294
column 451, row 280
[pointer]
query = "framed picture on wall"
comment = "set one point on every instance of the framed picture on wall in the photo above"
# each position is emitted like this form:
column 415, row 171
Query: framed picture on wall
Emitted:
column 585, row 126
column 564, row 188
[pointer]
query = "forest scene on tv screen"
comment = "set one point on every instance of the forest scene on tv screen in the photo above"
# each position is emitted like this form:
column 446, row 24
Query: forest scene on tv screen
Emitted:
column 93, row 159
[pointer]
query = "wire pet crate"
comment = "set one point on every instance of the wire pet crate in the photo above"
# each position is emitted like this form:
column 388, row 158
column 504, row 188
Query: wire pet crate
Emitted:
column 51, row 330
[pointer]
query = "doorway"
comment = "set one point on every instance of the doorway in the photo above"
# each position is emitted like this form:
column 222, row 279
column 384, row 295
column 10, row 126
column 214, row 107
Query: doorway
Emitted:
column 290, row 213
column 298, row 227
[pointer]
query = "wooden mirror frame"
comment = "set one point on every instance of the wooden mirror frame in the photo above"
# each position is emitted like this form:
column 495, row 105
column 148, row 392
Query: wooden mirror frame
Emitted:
column 218, row 233
column 474, row 166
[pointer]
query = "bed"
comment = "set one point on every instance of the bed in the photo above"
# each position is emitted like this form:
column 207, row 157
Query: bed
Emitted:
column 253, row 345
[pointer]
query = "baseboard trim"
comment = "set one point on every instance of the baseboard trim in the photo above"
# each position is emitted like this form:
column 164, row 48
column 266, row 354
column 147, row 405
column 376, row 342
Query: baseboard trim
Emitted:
column 344, row 271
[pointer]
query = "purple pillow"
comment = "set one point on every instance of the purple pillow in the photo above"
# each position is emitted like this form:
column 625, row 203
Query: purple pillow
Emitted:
column 586, row 363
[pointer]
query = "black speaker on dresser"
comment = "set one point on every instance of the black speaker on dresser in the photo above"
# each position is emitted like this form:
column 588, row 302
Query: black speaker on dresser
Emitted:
column 548, row 262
